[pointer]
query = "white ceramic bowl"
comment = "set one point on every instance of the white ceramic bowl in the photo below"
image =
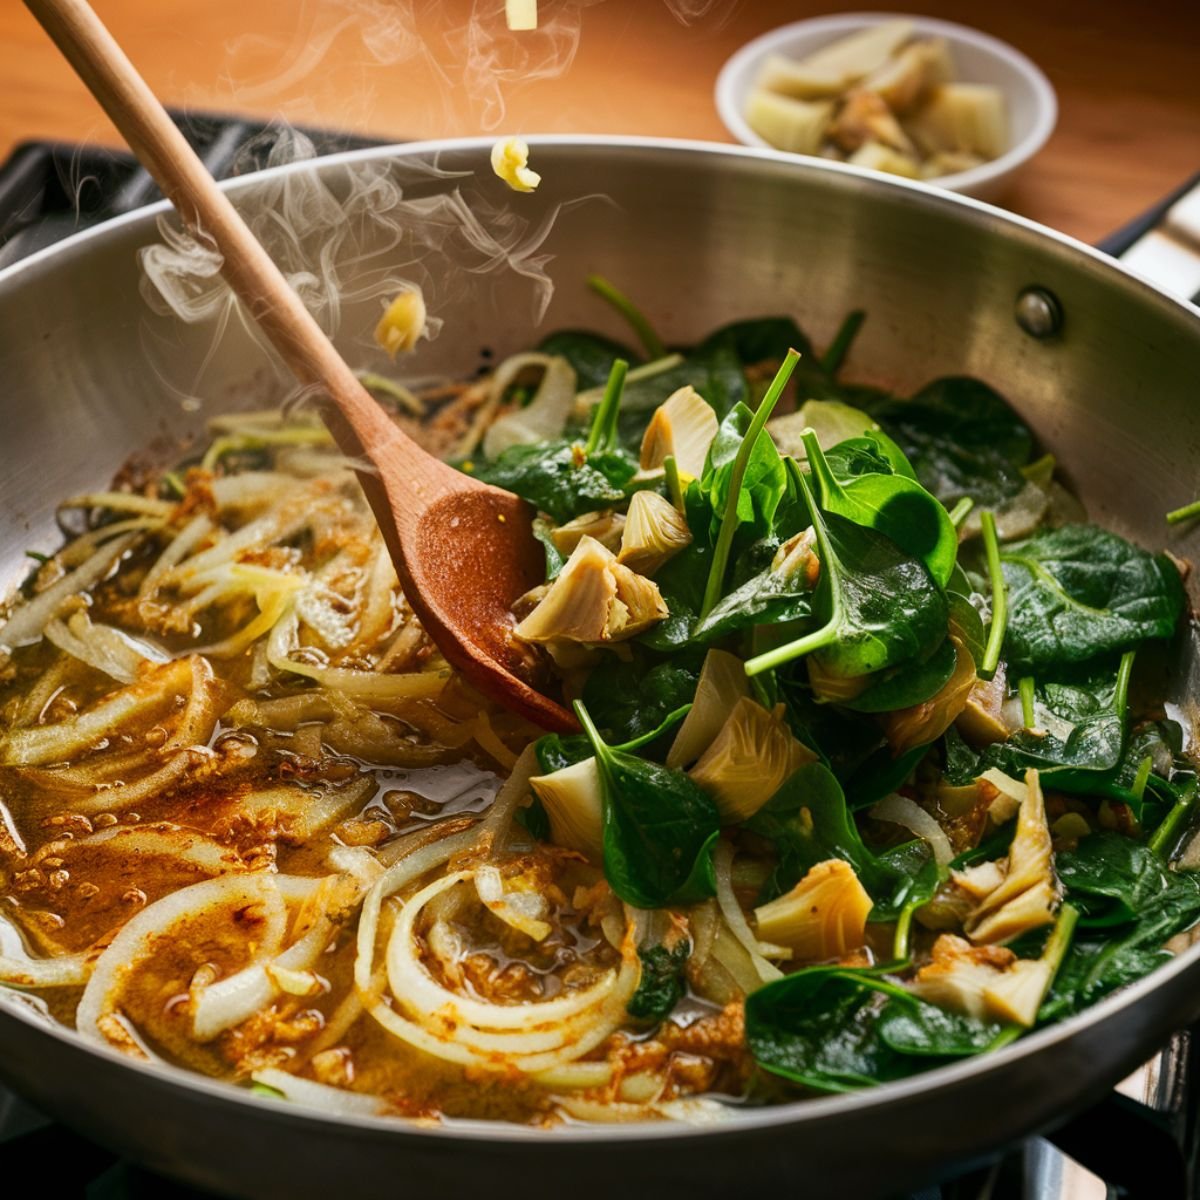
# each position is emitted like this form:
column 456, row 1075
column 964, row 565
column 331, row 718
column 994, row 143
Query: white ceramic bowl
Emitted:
column 978, row 58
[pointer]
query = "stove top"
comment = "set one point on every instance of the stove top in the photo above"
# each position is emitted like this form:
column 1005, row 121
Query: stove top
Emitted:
column 1140, row 1142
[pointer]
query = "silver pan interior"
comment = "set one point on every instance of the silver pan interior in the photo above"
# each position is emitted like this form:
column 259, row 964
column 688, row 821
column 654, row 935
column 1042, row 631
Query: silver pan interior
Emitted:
column 699, row 234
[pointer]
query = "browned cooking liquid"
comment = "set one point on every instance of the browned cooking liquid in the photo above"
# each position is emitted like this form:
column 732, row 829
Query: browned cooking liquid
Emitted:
column 220, row 763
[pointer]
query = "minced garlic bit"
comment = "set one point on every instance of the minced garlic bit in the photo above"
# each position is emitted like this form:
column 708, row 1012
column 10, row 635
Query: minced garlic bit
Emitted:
column 521, row 14
column 510, row 161
column 402, row 323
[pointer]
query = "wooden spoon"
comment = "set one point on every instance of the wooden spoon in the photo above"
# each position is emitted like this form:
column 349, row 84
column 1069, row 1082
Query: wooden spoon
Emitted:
column 464, row 551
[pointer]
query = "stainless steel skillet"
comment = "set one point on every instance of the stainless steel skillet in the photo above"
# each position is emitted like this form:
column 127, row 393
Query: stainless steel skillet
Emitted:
column 700, row 234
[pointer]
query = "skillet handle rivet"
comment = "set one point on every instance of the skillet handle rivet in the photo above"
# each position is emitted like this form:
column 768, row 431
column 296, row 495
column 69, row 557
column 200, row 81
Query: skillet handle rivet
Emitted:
column 1038, row 312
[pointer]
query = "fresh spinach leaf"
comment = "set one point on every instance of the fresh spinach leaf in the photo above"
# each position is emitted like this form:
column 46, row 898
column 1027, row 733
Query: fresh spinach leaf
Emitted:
column 659, row 828
column 759, row 340
column 662, row 984
column 818, row 1027
column 924, row 1030
column 902, row 687
column 899, row 508
column 630, row 699
column 559, row 479
column 879, row 606
column 1078, row 591
column 961, row 437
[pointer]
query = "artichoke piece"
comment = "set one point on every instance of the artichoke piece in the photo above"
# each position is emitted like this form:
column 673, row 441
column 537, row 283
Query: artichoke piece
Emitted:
column 968, row 118
column 823, row 917
column 683, row 426
column 722, row 684
column 865, row 118
column 985, row 982
column 875, row 156
column 1027, row 894
column 795, row 125
column 655, row 530
column 904, row 81
column 510, row 162
column 985, row 717
column 574, row 805
column 402, row 323
column 835, row 67
column 749, row 760
column 923, row 723
column 594, row 600
column 605, row 526
column 521, row 15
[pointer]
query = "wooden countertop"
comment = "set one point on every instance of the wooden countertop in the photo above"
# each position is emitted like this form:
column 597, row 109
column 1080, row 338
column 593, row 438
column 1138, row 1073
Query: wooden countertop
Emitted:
column 1127, row 75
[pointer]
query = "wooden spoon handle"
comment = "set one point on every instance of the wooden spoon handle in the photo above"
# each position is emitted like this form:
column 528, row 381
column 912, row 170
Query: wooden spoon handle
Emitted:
column 206, row 211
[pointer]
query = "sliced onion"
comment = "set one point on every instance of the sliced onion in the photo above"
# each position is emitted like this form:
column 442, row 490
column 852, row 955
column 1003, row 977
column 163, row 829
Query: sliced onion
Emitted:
column 494, row 827
column 155, row 690
column 545, row 416
column 26, row 622
column 20, row 969
column 162, row 839
column 731, row 910
column 110, row 651
column 320, row 1095
column 232, row 1000
column 135, row 942
column 900, row 810
column 180, row 546
column 694, row 1110
column 122, row 502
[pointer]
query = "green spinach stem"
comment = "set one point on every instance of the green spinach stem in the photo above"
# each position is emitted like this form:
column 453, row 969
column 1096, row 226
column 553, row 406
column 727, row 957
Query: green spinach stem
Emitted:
column 1121, row 690
column 1138, row 787
column 638, row 321
column 1186, row 513
column 603, row 433
column 903, row 926
column 716, row 574
column 960, row 512
column 999, row 622
column 1026, row 689
column 674, row 483
column 1166, row 833
column 835, row 353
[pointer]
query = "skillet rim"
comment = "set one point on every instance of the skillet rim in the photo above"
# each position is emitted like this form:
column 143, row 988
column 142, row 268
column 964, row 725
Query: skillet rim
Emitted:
column 806, row 1111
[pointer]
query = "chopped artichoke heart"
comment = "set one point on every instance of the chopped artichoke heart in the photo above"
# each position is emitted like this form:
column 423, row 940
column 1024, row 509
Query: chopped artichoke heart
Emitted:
column 402, row 323
column 794, row 125
column 966, row 118
column 983, row 720
column 654, row 531
column 749, row 760
column 1027, row 895
column 851, row 58
column 722, row 684
column 510, row 162
column 985, row 982
column 823, row 917
column 594, row 600
column 905, row 80
column 573, row 802
column 864, row 118
column 877, row 157
column 606, row 527
column 683, row 427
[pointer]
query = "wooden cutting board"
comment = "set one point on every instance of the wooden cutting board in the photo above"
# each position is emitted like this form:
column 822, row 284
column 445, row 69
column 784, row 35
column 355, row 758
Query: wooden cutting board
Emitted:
column 1127, row 74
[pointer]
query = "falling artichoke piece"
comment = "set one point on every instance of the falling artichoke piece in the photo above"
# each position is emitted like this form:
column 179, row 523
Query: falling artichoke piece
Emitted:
column 574, row 804
column 402, row 323
column 594, row 600
column 654, row 532
column 510, row 162
column 749, row 760
column 823, row 917
column 683, row 427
